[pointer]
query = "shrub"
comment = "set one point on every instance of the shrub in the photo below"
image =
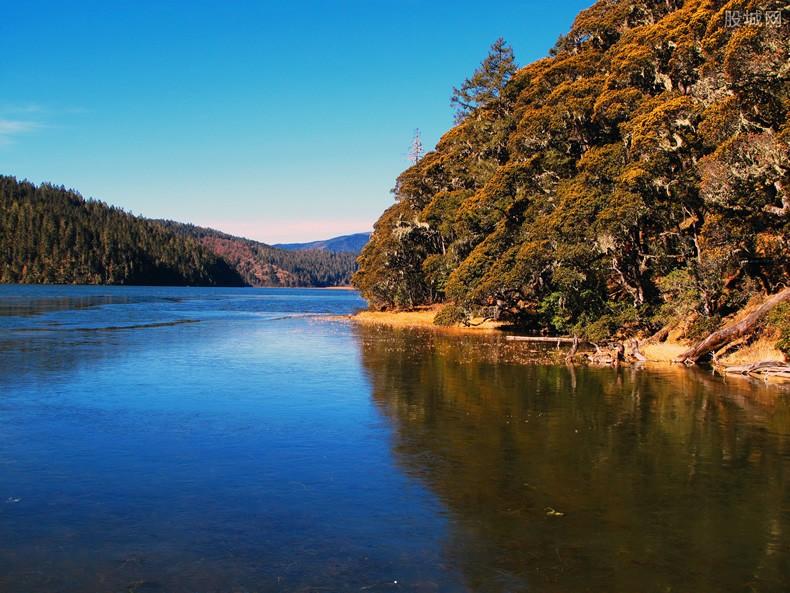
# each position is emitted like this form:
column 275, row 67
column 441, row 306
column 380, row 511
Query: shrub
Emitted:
column 450, row 314
column 779, row 319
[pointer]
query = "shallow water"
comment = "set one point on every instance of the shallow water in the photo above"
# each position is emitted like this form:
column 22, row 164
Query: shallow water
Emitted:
column 200, row 440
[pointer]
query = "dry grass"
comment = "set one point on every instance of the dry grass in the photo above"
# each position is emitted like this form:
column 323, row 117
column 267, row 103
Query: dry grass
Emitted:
column 760, row 350
column 663, row 351
column 422, row 317
column 418, row 318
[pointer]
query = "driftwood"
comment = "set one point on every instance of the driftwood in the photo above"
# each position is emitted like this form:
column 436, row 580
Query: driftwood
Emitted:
column 726, row 335
column 572, row 351
column 610, row 356
column 635, row 353
column 762, row 370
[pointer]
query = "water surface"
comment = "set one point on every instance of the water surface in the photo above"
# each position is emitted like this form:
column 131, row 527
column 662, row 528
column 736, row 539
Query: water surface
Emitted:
column 201, row 440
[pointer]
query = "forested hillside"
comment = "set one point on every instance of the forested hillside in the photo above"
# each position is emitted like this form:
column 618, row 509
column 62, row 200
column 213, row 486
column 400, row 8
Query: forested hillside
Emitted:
column 636, row 175
column 52, row 235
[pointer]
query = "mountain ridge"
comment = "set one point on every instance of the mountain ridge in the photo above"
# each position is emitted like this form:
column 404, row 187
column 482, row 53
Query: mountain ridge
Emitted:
column 352, row 243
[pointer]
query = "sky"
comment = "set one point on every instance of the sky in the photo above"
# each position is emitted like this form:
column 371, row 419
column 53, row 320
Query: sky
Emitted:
column 277, row 121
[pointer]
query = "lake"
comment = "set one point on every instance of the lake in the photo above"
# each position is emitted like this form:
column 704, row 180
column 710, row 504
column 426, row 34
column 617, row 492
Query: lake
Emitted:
column 243, row 440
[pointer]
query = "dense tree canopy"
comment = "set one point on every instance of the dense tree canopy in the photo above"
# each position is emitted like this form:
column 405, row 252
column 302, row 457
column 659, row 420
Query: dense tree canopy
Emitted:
column 52, row 235
column 639, row 171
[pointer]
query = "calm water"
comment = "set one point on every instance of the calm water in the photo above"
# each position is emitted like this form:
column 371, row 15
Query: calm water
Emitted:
column 229, row 440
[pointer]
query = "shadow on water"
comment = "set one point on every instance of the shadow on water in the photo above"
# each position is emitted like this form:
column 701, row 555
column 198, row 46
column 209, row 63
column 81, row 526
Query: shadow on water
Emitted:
column 585, row 479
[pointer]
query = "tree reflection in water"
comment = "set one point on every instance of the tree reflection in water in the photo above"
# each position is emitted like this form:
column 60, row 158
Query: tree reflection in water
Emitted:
column 586, row 479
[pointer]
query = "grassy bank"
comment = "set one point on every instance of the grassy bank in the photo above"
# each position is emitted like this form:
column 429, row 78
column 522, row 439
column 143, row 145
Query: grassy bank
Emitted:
column 423, row 317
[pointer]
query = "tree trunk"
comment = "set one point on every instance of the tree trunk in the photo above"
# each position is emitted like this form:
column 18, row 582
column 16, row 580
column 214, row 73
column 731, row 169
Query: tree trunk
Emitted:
column 659, row 336
column 725, row 335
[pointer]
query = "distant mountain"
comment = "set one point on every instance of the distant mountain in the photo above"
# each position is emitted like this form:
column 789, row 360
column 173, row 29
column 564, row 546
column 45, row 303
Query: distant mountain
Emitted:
column 343, row 244
column 51, row 235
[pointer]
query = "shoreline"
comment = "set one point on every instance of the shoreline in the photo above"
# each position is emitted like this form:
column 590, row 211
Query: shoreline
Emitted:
column 665, row 353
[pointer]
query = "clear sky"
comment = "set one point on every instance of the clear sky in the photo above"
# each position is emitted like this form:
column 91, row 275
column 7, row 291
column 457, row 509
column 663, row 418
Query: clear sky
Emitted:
column 279, row 121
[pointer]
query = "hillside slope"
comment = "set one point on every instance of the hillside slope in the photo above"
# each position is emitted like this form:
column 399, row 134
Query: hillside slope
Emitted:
column 50, row 235
column 639, row 174
column 260, row 264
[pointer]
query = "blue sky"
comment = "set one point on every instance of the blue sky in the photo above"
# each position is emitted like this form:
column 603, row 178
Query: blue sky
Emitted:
column 277, row 121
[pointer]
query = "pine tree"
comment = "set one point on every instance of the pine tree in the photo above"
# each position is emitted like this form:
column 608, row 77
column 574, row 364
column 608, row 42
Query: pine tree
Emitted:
column 485, row 87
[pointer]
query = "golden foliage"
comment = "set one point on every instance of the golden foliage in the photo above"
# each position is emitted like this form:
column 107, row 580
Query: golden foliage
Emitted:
column 620, row 162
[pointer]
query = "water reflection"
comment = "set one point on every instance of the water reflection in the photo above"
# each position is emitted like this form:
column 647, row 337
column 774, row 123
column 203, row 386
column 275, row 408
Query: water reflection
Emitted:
column 261, row 449
column 586, row 479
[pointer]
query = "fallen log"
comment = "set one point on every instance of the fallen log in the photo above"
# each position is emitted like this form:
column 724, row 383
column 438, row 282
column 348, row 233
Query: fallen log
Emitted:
column 745, row 369
column 769, row 369
column 659, row 336
column 767, row 365
column 725, row 335
column 771, row 373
